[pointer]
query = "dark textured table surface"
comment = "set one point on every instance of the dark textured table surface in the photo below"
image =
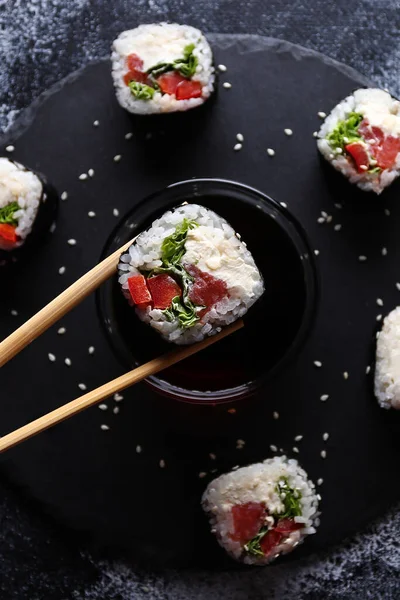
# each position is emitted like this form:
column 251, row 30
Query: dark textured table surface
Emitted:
column 42, row 41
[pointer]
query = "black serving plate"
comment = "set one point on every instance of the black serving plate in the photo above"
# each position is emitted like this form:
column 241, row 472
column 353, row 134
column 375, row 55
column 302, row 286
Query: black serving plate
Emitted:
column 275, row 327
column 93, row 480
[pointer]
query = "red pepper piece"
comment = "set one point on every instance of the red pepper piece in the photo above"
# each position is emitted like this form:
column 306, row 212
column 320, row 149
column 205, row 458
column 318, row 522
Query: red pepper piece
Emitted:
column 270, row 540
column 247, row 521
column 134, row 62
column 135, row 73
column 386, row 154
column 287, row 525
column 359, row 153
column 139, row 290
column 163, row 289
column 188, row 89
column 170, row 81
column 7, row 233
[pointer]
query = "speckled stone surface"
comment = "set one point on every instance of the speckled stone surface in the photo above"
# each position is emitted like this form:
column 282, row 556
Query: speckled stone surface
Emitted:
column 42, row 41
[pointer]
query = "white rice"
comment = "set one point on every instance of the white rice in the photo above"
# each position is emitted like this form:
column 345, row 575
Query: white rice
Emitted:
column 154, row 44
column 381, row 110
column 219, row 252
column 387, row 367
column 18, row 184
column 258, row 483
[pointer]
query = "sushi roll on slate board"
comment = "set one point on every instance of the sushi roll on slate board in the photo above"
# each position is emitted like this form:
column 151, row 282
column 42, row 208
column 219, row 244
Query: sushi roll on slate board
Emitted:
column 263, row 510
column 189, row 274
column 387, row 365
column 27, row 209
column 361, row 139
column 162, row 68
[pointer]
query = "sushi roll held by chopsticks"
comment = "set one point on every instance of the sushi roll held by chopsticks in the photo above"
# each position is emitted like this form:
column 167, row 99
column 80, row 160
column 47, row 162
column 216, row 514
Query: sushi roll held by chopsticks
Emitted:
column 162, row 68
column 189, row 275
column 361, row 139
column 263, row 510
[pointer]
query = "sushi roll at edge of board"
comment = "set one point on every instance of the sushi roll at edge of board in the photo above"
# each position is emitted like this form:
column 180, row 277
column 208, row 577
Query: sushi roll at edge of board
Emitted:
column 387, row 364
column 162, row 68
column 189, row 274
column 28, row 209
column 361, row 139
column 263, row 510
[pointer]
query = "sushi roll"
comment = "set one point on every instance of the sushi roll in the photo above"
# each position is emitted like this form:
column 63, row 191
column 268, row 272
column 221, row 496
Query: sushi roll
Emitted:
column 361, row 139
column 27, row 208
column 189, row 274
column 162, row 68
column 387, row 366
column 263, row 510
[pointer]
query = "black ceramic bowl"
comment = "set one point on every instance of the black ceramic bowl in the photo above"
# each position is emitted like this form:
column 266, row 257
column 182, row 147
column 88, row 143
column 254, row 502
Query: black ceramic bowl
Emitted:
column 275, row 326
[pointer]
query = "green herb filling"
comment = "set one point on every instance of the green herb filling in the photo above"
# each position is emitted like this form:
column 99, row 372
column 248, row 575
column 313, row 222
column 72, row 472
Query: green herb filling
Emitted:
column 7, row 213
column 141, row 91
column 346, row 132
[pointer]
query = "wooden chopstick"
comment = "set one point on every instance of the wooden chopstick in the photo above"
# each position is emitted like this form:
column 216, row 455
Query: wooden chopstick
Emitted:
column 58, row 307
column 106, row 390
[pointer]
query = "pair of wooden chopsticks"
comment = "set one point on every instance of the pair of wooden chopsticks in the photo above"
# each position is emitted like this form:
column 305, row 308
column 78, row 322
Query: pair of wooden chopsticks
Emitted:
column 56, row 309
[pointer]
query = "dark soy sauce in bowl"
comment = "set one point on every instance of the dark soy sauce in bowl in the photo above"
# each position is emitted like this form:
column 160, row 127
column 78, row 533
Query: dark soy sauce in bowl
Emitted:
column 275, row 326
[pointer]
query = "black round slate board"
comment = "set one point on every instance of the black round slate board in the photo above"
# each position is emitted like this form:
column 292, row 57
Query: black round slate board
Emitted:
column 94, row 481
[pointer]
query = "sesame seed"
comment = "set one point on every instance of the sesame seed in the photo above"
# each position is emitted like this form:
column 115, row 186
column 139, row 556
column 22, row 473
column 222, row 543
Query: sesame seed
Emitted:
column 275, row 415
column 202, row 474
column 14, row 312
column 325, row 437
column 82, row 386
column 338, row 150
column 321, row 114
column 283, row 204
column 337, row 227
column 212, row 456
column 103, row 406
column 331, row 156
column 91, row 214
column 398, row 286
column 237, row 147
column 363, row 167
column 315, row 134
column 321, row 220
column 222, row 68
column 324, row 397
column 387, row 212
column 338, row 206
column 227, row 85
column 320, row 481
column 138, row 449
column 362, row 258
column 115, row 212
column 317, row 363
column 379, row 301
column 64, row 196
column 323, row 453
column 298, row 438
column 295, row 449
column 240, row 444
column 271, row 152
column 91, row 349
column 68, row 362
column 61, row 270
column 379, row 317
column 240, row 137
column 324, row 214
column 52, row 357
column 345, row 375
column 384, row 251
column 162, row 464
column 128, row 135
column 117, row 157
column 367, row 370
column 91, row 172
column 116, row 410
column 72, row 242
column 316, row 252
column 96, row 123
column 329, row 218
column 118, row 397
column 83, row 176
column 273, row 448
column 288, row 131
column 61, row 331
column 10, row 148
column 104, row 427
